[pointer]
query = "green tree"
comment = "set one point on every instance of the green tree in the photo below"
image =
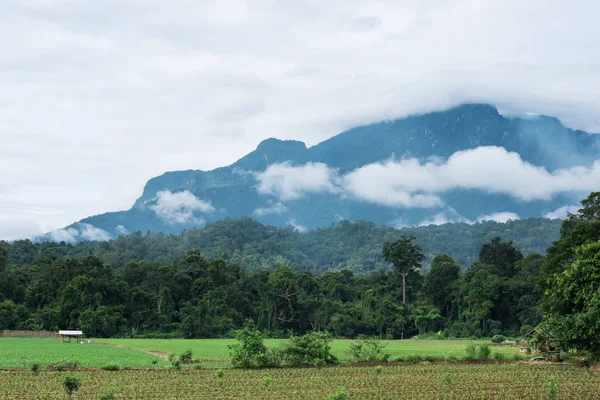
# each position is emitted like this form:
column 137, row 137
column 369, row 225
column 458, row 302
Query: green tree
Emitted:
column 501, row 256
column 440, row 281
column 405, row 256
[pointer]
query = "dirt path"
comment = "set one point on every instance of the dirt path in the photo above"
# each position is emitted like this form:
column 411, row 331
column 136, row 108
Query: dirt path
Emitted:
column 162, row 354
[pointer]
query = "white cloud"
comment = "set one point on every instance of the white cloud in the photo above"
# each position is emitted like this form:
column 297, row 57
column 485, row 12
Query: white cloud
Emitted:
column 562, row 212
column 289, row 182
column 410, row 183
column 68, row 235
column 277, row 209
column 78, row 232
column 180, row 207
column 218, row 76
column 300, row 228
column 121, row 230
column 499, row 217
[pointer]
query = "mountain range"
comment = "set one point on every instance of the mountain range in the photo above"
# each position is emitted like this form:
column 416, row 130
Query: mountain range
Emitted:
column 465, row 164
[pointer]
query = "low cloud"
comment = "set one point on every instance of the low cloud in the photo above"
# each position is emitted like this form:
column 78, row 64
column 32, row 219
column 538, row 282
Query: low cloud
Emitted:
column 276, row 209
column 499, row 217
column 121, row 230
column 180, row 207
column 80, row 232
column 410, row 183
column 288, row 182
column 562, row 212
column 299, row 228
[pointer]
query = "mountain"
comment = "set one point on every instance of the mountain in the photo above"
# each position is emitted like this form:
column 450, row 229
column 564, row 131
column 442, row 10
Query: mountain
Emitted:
column 464, row 164
column 355, row 246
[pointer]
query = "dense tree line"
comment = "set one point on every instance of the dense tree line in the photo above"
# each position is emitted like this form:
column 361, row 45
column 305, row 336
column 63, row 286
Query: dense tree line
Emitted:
column 256, row 247
column 198, row 297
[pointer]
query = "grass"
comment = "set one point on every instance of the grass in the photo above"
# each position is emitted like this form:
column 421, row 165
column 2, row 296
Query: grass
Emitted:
column 24, row 352
column 423, row 381
column 214, row 352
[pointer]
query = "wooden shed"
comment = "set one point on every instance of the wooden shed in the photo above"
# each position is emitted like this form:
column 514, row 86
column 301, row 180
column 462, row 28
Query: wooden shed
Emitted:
column 70, row 335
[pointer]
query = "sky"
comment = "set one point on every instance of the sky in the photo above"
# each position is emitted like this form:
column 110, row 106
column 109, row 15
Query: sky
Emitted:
column 99, row 96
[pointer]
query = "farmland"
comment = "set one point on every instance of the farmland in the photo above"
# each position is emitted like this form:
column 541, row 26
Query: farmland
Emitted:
column 21, row 352
column 214, row 352
column 422, row 381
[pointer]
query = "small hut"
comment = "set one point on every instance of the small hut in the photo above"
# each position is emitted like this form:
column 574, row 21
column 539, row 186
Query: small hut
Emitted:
column 70, row 335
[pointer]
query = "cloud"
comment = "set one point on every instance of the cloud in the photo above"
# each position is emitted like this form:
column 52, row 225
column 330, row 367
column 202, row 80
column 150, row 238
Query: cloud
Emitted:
column 499, row 217
column 276, row 209
column 121, row 230
column 288, row 182
column 410, row 183
column 80, row 232
column 293, row 70
column 299, row 228
column 180, row 207
column 562, row 212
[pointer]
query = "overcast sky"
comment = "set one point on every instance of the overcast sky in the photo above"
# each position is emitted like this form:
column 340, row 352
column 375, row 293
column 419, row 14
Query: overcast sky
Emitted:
column 96, row 97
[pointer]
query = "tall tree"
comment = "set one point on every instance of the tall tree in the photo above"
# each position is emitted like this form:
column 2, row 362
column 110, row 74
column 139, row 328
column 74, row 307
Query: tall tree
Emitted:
column 501, row 256
column 439, row 283
column 406, row 257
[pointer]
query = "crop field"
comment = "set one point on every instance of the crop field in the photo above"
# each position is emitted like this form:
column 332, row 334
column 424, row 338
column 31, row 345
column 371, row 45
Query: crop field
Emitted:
column 22, row 352
column 214, row 352
column 408, row 381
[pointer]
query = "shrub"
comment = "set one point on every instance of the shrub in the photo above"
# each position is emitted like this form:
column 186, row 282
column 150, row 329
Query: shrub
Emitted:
column 176, row 364
column 111, row 367
column 63, row 365
column 310, row 349
column 483, row 353
column 470, row 352
column 154, row 362
column 267, row 381
column 340, row 394
column 186, row 357
column 551, row 389
column 250, row 351
column 498, row 339
column 379, row 369
column 71, row 383
column 108, row 394
column 171, row 357
column 368, row 350
column 220, row 373
column 35, row 368
column 497, row 355
column 197, row 366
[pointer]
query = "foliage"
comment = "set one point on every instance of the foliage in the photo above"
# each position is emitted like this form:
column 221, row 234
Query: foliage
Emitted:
column 71, row 383
column 498, row 339
column 108, row 394
column 35, row 368
column 405, row 256
column 340, row 394
column 267, row 381
column 250, row 351
column 186, row 357
column 483, row 352
column 470, row 352
column 367, row 349
column 111, row 367
column 310, row 349
column 551, row 389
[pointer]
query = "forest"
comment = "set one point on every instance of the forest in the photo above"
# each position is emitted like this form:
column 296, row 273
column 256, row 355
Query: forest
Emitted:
column 502, row 292
column 354, row 246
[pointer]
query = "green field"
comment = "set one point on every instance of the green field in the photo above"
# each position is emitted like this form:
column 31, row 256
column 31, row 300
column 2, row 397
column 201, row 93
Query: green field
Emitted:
column 421, row 381
column 22, row 352
column 214, row 352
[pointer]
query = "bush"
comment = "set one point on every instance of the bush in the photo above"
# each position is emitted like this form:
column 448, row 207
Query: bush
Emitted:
column 176, row 364
column 267, row 381
column 220, row 373
column 498, row 339
column 497, row 355
column 108, row 394
column 251, row 352
column 71, row 383
column 35, row 368
column 368, row 350
column 186, row 357
column 470, row 352
column 483, row 353
column 379, row 369
column 310, row 349
column 63, row 365
column 111, row 367
column 340, row 394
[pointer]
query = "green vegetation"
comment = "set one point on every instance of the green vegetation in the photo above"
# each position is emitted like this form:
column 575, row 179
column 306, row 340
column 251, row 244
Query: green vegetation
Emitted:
column 426, row 381
column 354, row 246
column 23, row 352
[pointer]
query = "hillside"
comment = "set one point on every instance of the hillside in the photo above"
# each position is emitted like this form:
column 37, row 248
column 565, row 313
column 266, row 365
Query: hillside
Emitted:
column 465, row 164
column 254, row 246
